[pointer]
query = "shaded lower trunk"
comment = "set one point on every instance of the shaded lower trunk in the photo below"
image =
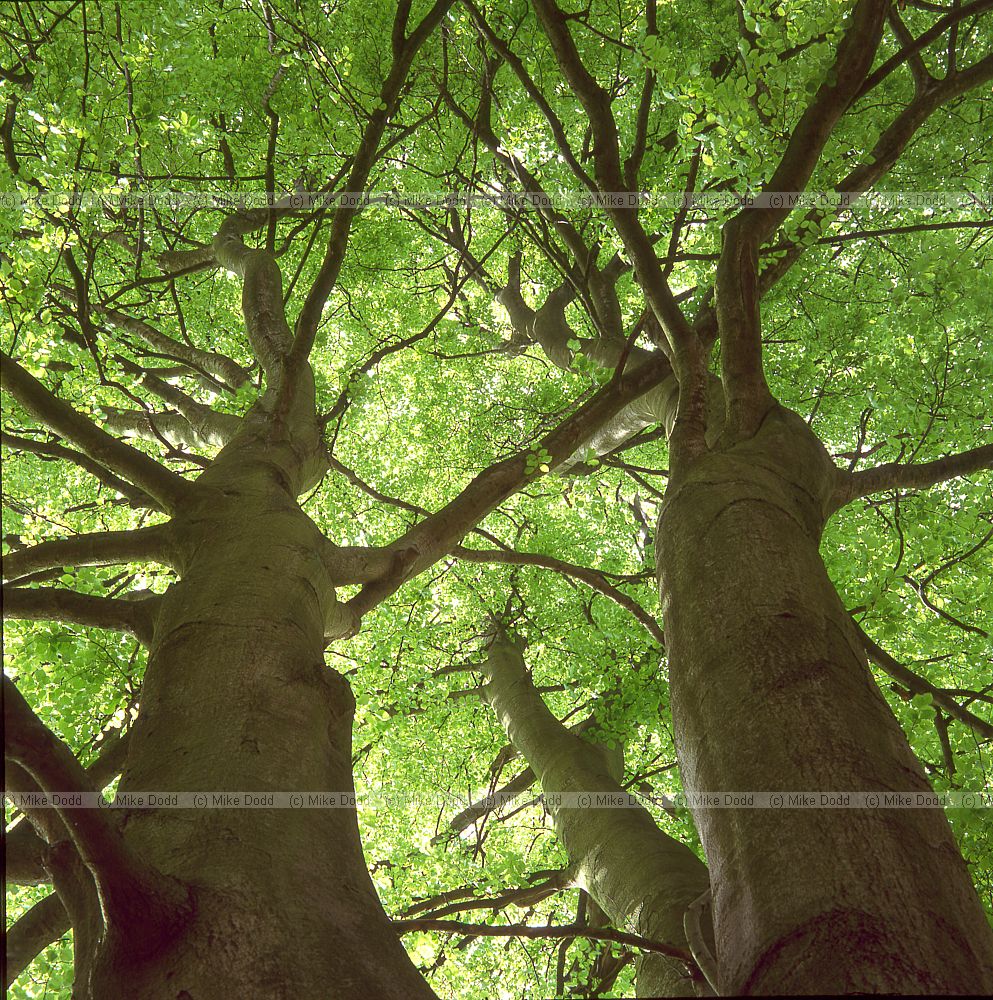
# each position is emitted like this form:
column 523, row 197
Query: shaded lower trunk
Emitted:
column 771, row 692
column 237, row 698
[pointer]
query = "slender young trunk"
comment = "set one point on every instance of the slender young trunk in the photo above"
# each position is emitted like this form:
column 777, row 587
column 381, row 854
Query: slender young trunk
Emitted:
column 636, row 873
column 771, row 692
column 237, row 698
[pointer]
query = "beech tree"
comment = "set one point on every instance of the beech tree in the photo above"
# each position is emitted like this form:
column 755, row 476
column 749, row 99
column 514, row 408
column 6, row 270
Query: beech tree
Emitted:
column 628, row 865
column 626, row 362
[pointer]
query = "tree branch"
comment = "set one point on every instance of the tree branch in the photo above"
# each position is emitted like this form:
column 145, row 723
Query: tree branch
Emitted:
column 104, row 548
column 140, row 906
column 918, row 685
column 912, row 47
column 262, row 288
column 94, row 442
column 520, row 896
column 688, row 359
column 425, row 543
column 506, row 793
column 213, row 428
column 32, row 933
column 174, row 431
column 57, row 859
column 739, row 323
column 219, row 366
column 136, row 618
column 533, row 91
column 632, row 165
column 617, row 853
column 23, row 848
column 588, row 576
column 816, row 124
column 897, row 476
column 563, row 931
column 51, row 450
column 362, row 164
column 481, row 126
column 918, row 69
column 481, row 807
column 890, row 145
column 737, row 282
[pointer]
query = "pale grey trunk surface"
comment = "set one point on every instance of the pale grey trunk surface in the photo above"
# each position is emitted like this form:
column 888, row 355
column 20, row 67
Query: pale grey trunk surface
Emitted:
column 636, row 873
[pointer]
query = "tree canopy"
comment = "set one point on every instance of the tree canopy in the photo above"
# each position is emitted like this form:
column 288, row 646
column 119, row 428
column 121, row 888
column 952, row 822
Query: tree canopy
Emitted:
column 490, row 326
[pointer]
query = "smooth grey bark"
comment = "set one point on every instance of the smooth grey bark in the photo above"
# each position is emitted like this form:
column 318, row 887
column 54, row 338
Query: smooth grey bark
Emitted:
column 105, row 548
column 193, row 424
column 511, row 790
column 638, row 875
column 771, row 692
column 237, row 697
column 171, row 428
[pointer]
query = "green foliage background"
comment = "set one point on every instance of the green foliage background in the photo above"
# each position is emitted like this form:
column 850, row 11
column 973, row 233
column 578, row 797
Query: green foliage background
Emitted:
column 891, row 330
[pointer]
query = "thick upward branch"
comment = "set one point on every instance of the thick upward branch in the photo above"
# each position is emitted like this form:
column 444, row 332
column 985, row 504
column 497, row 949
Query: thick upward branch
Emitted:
column 628, row 865
column 24, row 849
column 262, row 289
column 688, row 359
column 746, row 392
column 31, row 933
column 404, row 51
column 737, row 283
column 588, row 576
column 219, row 366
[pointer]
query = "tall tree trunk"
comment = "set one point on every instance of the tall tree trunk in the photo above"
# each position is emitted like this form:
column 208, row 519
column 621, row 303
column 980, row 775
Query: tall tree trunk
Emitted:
column 237, row 698
column 634, row 871
column 771, row 692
